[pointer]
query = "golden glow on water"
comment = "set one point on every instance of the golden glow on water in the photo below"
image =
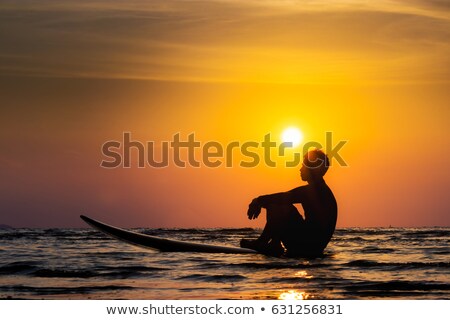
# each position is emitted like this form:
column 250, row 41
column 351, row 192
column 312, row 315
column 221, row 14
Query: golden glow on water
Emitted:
column 303, row 274
column 293, row 295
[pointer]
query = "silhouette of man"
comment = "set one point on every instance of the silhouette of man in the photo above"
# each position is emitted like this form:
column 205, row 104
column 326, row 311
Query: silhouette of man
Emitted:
column 285, row 227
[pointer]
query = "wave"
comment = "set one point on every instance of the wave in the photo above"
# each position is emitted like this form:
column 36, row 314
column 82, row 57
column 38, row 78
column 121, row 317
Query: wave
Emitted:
column 51, row 273
column 411, row 232
column 126, row 272
column 214, row 277
column 397, row 265
column 275, row 265
column 19, row 267
column 62, row 290
column 356, row 240
column 43, row 234
column 428, row 233
column 397, row 286
column 31, row 268
column 366, row 231
column 438, row 251
column 373, row 249
column 113, row 273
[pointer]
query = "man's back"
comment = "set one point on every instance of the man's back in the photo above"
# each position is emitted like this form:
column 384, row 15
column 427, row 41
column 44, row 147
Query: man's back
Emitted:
column 320, row 209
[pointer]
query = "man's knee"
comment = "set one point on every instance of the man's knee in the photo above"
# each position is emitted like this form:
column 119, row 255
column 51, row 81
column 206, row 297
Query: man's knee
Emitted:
column 281, row 212
column 282, row 208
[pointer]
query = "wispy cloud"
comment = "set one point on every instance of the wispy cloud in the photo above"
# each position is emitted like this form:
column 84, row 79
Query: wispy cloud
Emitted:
column 300, row 41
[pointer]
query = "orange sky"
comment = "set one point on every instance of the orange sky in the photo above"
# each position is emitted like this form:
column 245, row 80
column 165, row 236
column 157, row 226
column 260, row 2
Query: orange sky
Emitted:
column 75, row 74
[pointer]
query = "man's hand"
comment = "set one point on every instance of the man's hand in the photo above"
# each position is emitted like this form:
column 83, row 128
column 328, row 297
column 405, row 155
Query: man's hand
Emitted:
column 254, row 209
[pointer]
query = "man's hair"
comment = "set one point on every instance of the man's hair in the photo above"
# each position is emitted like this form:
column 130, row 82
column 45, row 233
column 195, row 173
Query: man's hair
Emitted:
column 317, row 161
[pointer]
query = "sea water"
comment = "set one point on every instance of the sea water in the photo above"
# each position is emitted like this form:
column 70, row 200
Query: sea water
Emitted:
column 359, row 263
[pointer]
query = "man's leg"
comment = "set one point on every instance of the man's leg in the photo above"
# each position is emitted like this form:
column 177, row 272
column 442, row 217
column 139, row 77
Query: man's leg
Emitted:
column 279, row 221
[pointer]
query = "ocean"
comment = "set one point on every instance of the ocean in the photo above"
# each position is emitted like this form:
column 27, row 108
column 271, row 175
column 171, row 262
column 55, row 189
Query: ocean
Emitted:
column 360, row 263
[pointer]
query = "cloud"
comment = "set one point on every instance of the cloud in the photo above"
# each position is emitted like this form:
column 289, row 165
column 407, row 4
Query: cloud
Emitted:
column 431, row 4
column 227, row 40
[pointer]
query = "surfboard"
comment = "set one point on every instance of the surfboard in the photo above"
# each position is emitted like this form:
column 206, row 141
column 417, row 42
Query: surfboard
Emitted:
column 161, row 244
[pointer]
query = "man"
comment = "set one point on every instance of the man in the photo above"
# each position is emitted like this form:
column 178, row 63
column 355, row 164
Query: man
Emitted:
column 285, row 227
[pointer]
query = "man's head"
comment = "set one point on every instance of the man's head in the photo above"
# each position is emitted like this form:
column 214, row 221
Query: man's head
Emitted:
column 315, row 165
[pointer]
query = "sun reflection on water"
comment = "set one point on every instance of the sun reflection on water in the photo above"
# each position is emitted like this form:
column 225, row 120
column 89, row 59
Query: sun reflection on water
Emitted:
column 293, row 295
column 303, row 274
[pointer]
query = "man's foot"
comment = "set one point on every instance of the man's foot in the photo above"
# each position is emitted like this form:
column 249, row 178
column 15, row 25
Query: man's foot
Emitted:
column 273, row 248
column 254, row 244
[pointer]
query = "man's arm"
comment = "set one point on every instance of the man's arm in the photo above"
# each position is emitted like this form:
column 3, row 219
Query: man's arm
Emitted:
column 282, row 198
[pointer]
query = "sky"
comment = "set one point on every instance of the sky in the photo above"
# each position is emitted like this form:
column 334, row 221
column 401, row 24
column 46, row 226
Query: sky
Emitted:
column 76, row 74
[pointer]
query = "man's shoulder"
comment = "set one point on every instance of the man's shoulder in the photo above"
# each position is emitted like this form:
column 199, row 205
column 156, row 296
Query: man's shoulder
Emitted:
column 300, row 189
column 309, row 188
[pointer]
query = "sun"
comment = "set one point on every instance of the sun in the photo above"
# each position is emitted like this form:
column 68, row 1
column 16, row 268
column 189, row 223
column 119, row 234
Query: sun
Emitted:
column 292, row 135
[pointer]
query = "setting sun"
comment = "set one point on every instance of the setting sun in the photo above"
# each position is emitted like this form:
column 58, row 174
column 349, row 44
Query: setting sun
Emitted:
column 292, row 135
